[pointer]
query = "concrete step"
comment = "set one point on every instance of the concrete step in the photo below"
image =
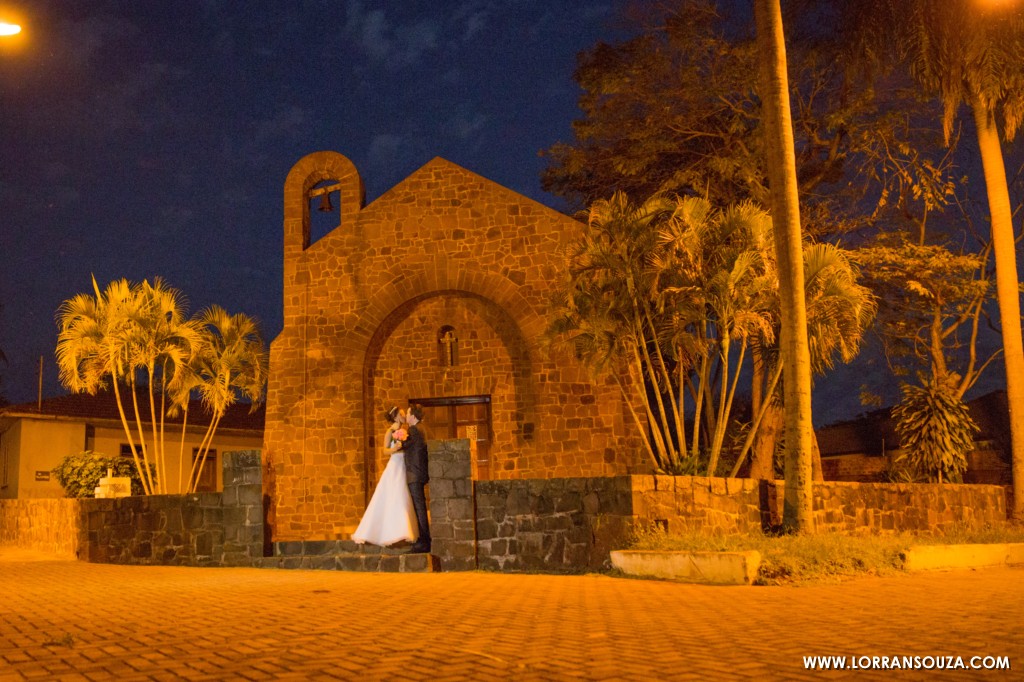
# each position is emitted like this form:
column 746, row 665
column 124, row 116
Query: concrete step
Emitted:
column 345, row 555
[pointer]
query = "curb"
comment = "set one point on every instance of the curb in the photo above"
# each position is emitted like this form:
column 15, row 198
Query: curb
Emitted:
column 710, row 568
column 935, row 557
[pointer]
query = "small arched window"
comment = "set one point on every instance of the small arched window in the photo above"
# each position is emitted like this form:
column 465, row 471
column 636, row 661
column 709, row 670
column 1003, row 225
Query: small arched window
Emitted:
column 448, row 346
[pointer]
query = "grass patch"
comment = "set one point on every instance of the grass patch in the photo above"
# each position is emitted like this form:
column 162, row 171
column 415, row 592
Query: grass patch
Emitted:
column 787, row 559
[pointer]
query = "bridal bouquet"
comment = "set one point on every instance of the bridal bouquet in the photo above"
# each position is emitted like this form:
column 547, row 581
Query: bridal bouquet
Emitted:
column 399, row 435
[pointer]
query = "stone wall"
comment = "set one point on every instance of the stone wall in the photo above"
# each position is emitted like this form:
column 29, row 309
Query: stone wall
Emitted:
column 679, row 503
column 891, row 507
column 47, row 525
column 571, row 524
column 742, row 505
column 205, row 529
column 558, row 524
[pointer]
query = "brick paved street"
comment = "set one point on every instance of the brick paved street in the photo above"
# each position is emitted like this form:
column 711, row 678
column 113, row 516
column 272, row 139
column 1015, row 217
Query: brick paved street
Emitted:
column 69, row 620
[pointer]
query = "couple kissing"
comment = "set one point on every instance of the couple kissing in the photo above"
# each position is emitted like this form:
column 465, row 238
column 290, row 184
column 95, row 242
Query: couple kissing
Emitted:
column 398, row 508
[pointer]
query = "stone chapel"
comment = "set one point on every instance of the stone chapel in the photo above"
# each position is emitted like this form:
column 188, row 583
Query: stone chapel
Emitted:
column 439, row 293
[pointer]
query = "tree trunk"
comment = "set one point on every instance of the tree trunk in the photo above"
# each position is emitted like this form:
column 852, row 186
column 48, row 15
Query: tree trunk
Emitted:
column 762, row 456
column 798, row 507
column 817, row 475
column 1007, row 291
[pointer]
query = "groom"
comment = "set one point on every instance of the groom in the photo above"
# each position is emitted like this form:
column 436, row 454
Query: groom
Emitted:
column 415, row 449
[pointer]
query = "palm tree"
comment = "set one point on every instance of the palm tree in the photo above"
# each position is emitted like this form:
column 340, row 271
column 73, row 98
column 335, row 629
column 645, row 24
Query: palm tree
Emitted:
column 964, row 53
column 716, row 273
column 795, row 353
column 94, row 348
column 606, row 315
column 676, row 291
column 164, row 344
column 839, row 310
column 232, row 364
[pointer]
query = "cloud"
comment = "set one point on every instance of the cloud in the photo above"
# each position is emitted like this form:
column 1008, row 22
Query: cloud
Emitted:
column 384, row 150
column 467, row 126
column 82, row 40
column 394, row 45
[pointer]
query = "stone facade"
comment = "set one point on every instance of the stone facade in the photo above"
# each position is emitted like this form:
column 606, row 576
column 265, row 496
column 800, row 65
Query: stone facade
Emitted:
column 364, row 308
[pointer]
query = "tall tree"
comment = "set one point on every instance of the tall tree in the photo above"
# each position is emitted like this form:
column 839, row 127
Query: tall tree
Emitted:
column 676, row 109
column 967, row 52
column 932, row 302
column 93, row 352
column 798, row 509
column 231, row 365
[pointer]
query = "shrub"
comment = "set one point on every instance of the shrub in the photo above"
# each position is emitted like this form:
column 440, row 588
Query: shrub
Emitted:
column 935, row 429
column 80, row 474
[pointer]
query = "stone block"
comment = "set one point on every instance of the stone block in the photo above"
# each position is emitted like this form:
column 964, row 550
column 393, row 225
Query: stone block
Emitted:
column 192, row 517
column 291, row 548
column 459, row 508
column 235, row 517
column 441, row 488
column 250, row 494
column 204, row 544
column 716, row 568
column 209, row 499
column 416, row 563
column 242, row 459
column 465, row 534
column 318, row 547
column 568, row 501
column 442, row 530
column 486, row 529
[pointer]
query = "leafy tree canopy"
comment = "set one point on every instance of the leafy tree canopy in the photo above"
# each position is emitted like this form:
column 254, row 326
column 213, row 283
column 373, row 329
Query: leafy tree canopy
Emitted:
column 676, row 109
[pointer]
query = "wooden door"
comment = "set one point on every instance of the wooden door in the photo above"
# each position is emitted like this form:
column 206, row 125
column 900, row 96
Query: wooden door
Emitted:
column 461, row 417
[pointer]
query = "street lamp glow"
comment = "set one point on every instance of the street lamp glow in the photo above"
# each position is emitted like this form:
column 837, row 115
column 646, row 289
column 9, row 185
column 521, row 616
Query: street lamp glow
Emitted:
column 9, row 29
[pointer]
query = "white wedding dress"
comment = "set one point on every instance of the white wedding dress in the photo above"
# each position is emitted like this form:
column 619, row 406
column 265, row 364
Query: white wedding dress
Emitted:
column 390, row 517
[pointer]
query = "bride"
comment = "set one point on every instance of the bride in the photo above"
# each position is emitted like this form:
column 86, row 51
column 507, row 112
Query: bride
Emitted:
column 390, row 517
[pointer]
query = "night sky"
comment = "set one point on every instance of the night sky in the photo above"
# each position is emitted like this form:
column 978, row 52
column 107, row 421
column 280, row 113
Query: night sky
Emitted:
column 147, row 138
column 151, row 138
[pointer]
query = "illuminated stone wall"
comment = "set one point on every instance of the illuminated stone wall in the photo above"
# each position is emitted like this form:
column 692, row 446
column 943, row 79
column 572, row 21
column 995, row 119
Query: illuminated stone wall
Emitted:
column 47, row 525
column 732, row 505
column 362, row 309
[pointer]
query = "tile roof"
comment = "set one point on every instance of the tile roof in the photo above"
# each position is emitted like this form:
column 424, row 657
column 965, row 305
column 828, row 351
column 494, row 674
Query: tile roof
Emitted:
column 104, row 406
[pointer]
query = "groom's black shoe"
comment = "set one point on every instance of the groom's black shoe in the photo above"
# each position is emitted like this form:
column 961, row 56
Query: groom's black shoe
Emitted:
column 420, row 548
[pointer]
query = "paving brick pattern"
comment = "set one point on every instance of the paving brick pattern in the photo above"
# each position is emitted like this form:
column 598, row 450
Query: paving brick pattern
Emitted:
column 65, row 620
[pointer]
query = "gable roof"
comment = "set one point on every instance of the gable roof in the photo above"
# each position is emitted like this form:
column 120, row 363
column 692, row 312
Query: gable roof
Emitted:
column 412, row 182
column 103, row 407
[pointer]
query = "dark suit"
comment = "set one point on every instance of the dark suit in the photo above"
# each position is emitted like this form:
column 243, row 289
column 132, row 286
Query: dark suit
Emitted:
column 416, row 475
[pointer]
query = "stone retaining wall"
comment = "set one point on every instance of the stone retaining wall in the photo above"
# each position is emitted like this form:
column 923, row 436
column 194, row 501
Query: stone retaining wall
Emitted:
column 205, row 529
column 734, row 505
column 50, row 525
column 558, row 525
column 891, row 507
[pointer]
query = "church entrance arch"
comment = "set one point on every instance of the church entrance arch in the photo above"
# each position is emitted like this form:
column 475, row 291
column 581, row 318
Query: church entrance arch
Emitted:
column 465, row 359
